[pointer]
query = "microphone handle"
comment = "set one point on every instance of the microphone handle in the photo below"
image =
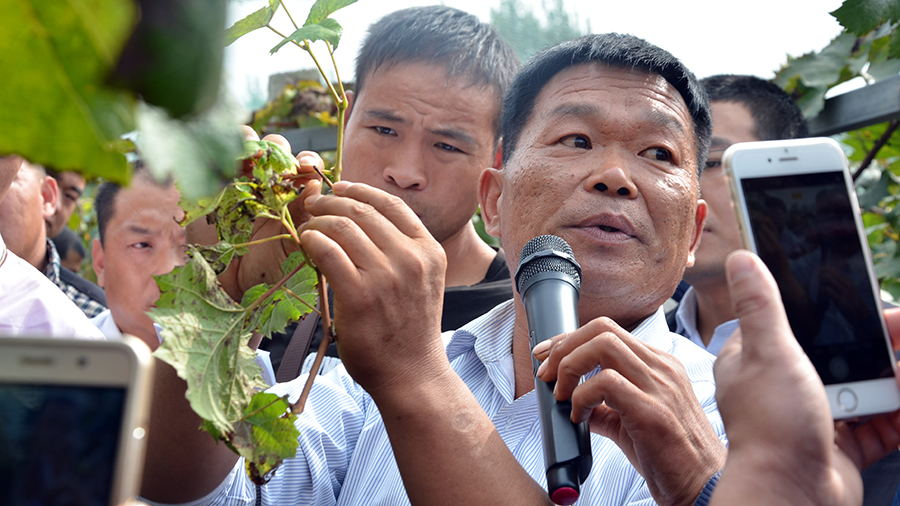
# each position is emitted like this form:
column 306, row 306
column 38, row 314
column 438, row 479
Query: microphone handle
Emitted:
column 551, row 308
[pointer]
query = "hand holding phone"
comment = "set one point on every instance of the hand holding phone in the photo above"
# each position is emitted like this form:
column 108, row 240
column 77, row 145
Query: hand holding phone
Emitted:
column 798, row 211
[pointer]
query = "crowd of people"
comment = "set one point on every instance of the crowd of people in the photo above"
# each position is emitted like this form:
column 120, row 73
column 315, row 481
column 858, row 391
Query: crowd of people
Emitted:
column 606, row 141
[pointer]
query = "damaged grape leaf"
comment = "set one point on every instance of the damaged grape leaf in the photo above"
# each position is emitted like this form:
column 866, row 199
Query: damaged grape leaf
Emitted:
column 281, row 308
column 205, row 337
column 266, row 435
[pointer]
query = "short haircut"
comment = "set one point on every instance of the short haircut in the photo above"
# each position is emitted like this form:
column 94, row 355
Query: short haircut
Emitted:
column 443, row 36
column 611, row 49
column 776, row 116
column 105, row 199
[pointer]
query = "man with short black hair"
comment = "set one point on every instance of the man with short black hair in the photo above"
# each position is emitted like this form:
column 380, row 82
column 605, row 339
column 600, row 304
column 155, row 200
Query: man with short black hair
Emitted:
column 29, row 303
column 32, row 199
column 744, row 109
column 140, row 236
column 71, row 188
column 424, row 121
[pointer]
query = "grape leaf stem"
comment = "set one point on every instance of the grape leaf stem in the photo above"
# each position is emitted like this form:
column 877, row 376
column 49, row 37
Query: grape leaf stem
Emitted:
column 286, row 11
column 274, row 288
column 261, row 241
column 320, row 353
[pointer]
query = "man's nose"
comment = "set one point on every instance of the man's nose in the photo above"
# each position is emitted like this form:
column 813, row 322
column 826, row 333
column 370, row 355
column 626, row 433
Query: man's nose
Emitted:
column 407, row 169
column 612, row 176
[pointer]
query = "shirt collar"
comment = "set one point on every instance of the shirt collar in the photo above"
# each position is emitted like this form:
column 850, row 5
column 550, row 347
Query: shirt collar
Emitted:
column 53, row 263
column 686, row 324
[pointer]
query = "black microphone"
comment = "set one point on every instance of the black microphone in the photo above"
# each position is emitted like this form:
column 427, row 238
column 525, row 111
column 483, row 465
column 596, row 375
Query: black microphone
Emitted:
column 548, row 280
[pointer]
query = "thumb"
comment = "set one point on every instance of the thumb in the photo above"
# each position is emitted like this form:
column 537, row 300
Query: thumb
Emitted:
column 757, row 303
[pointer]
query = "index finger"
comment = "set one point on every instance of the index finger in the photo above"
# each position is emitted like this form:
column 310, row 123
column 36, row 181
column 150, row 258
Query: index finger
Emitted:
column 389, row 206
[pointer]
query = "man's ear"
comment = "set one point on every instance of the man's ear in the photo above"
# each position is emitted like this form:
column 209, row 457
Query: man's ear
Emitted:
column 490, row 188
column 98, row 261
column 699, row 220
column 49, row 196
column 351, row 96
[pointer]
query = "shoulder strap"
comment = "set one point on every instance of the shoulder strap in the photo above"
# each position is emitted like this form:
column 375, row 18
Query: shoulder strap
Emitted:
column 297, row 349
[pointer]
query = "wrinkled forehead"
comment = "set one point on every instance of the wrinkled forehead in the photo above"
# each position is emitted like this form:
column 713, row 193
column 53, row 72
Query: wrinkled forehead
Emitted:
column 147, row 200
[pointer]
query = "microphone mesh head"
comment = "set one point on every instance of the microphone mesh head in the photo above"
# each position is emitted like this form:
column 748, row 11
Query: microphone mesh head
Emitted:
column 556, row 256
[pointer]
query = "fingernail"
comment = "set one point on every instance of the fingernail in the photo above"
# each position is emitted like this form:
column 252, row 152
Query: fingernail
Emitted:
column 542, row 368
column 307, row 160
column 740, row 264
column 541, row 347
column 312, row 199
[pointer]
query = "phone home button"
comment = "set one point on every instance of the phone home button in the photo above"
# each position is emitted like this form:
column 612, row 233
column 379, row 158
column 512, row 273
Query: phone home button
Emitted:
column 847, row 400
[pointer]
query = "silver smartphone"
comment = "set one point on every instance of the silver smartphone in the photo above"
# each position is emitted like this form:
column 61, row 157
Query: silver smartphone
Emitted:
column 73, row 418
column 798, row 211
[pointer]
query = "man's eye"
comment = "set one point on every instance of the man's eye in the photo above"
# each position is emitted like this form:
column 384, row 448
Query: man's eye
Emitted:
column 385, row 130
column 446, row 147
column 658, row 154
column 713, row 164
column 141, row 245
column 576, row 141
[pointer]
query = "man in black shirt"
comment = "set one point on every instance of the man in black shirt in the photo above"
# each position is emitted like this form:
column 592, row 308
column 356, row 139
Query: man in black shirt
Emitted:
column 424, row 123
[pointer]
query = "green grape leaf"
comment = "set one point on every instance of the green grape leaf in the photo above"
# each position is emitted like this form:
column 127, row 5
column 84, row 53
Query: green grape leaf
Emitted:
column 199, row 208
column 862, row 16
column 266, row 435
column 55, row 108
column 271, row 155
column 219, row 255
column 255, row 21
column 281, row 308
column 894, row 46
column 233, row 220
column 328, row 30
column 324, row 8
column 874, row 195
column 205, row 339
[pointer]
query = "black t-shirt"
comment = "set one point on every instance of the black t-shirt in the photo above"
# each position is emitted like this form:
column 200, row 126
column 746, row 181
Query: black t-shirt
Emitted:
column 462, row 304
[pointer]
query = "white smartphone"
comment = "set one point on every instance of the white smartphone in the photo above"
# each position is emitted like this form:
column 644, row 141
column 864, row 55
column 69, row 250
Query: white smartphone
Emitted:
column 798, row 211
column 73, row 418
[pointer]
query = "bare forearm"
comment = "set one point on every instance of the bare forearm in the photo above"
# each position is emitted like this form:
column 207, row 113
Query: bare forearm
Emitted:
column 448, row 450
column 183, row 463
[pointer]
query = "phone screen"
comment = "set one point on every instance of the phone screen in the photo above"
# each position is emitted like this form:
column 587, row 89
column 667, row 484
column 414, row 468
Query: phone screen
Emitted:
column 58, row 443
column 805, row 231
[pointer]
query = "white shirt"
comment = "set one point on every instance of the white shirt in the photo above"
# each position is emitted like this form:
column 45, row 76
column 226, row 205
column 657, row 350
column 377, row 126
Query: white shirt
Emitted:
column 345, row 456
column 686, row 324
column 31, row 305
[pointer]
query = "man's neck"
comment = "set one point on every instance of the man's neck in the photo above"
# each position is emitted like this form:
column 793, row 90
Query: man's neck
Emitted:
column 468, row 257
column 713, row 309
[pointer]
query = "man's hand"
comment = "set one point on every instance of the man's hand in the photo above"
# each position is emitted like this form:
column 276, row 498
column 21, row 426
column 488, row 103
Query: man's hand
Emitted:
column 641, row 399
column 776, row 414
column 387, row 274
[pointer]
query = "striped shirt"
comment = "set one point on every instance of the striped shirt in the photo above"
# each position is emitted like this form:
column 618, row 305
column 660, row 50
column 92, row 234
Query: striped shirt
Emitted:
column 345, row 456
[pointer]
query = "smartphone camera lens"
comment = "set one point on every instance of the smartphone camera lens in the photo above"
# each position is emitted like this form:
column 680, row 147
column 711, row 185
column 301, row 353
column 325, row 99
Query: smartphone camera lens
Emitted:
column 770, row 160
column 82, row 361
